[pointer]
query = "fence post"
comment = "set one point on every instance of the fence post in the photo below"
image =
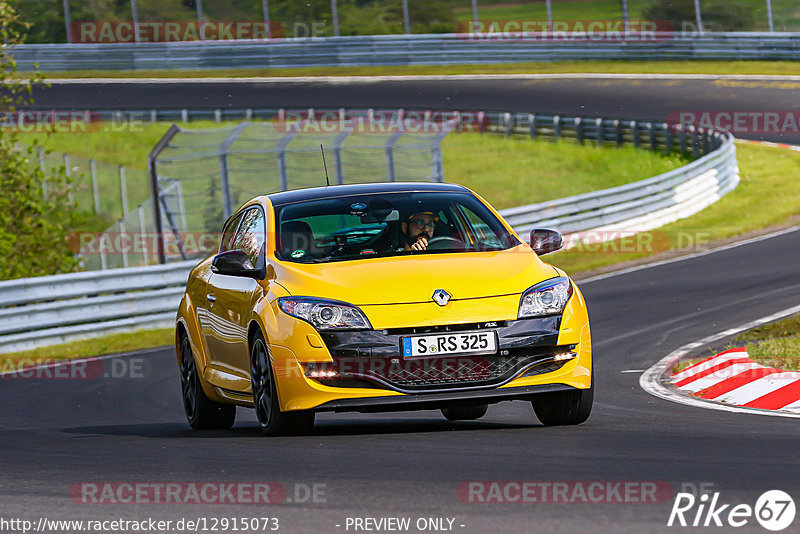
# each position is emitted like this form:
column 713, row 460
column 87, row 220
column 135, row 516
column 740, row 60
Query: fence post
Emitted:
column 635, row 133
column 95, row 189
column 123, row 190
column 143, row 232
column 70, row 193
column 532, row 125
column 44, row 176
column 390, row 156
column 579, row 129
column 556, row 128
column 337, row 156
column 122, row 232
column 227, row 202
column 67, row 21
column 651, row 131
column 618, row 135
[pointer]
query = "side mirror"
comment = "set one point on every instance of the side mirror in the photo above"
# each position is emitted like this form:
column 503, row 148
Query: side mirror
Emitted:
column 545, row 241
column 234, row 263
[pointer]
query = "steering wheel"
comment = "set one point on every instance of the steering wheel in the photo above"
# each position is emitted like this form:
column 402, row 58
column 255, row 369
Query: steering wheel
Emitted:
column 443, row 242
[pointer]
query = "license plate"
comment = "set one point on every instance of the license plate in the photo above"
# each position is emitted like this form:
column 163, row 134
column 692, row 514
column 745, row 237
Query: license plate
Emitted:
column 449, row 343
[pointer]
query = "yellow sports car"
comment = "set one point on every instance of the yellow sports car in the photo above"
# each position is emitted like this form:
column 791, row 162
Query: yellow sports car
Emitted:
column 379, row 297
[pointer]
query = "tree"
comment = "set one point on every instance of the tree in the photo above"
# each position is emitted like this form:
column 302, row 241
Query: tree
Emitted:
column 34, row 231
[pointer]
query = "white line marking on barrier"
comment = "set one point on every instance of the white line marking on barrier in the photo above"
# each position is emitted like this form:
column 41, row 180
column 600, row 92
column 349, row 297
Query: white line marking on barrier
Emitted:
column 650, row 381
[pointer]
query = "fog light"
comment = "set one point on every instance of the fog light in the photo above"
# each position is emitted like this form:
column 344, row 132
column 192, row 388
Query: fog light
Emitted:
column 321, row 373
column 561, row 356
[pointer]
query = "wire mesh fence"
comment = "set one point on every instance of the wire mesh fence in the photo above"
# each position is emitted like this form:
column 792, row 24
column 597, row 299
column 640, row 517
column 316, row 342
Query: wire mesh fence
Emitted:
column 218, row 169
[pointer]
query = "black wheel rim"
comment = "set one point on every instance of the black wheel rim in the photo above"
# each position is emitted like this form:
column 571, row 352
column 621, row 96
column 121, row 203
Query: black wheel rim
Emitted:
column 262, row 382
column 188, row 382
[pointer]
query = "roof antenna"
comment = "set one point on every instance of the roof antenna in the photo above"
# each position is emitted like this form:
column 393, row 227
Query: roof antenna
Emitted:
column 327, row 180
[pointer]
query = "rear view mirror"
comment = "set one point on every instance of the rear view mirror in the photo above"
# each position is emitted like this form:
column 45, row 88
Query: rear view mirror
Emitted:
column 545, row 241
column 234, row 263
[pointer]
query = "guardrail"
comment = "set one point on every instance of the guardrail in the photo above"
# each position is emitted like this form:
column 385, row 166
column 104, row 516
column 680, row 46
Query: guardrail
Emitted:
column 53, row 309
column 430, row 49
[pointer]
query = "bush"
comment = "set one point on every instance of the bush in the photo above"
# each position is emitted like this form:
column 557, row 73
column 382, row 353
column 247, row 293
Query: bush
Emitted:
column 34, row 231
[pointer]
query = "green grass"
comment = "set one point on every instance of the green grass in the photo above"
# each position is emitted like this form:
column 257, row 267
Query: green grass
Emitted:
column 754, row 205
column 513, row 172
column 774, row 345
column 613, row 67
column 85, row 348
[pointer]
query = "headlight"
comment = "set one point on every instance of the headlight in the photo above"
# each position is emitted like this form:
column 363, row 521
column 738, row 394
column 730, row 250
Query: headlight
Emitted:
column 324, row 314
column 546, row 298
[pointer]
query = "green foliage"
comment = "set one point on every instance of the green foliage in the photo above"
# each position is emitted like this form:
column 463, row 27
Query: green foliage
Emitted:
column 33, row 231
column 716, row 15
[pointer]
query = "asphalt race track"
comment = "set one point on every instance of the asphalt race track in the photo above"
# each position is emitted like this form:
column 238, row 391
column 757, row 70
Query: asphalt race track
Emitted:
column 610, row 97
column 56, row 433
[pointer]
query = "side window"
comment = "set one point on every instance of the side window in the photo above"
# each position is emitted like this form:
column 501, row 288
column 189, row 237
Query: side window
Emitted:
column 251, row 234
column 226, row 243
column 483, row 233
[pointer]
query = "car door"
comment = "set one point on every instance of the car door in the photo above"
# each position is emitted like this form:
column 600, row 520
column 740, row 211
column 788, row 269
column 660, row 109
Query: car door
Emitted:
column 229, row 299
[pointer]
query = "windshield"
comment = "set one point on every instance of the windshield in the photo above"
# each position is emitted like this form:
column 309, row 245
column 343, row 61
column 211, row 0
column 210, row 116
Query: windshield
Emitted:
column 387, row 224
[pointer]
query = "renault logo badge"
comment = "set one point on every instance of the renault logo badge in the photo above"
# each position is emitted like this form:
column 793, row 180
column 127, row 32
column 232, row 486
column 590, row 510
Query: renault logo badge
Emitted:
column 441, row 297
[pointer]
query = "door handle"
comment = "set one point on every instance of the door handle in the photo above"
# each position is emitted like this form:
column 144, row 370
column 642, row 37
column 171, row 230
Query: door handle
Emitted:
column 211, row 298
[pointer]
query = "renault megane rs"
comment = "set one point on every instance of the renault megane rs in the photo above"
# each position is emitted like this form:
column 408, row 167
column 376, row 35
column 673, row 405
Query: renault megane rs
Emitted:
column 379, row 297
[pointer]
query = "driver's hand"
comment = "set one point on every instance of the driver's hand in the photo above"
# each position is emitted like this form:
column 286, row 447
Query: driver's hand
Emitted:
column 421, row 244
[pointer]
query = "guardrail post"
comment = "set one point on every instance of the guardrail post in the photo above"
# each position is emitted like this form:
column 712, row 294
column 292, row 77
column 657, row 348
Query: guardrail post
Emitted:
column 579, row 129
column 509, row 123
column 706, row 142
column 682, row 139
column 635, row 133
column 651, row 133
column 695, row 143
column 184, row 115
column 95, row 189
column 599, row 131
column 153, row 115
column 556, row 127
column 667, row 138
column 217, row 115
column 532, row 125
column 618, row 135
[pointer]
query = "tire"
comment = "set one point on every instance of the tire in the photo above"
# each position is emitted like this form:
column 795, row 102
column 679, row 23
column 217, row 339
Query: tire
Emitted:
column 564, row 407
column 271, row 419
column 465, row 413
column 201, row 412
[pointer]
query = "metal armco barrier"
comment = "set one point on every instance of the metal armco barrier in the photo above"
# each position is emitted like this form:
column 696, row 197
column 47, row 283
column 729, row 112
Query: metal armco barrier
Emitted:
column 431, row 49
column 54, row 309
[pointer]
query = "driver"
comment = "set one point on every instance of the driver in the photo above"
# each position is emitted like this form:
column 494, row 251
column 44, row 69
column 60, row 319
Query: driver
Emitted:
column 418, row 229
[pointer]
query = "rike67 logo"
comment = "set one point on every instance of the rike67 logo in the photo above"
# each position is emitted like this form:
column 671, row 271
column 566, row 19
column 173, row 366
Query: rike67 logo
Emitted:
column 774, row 510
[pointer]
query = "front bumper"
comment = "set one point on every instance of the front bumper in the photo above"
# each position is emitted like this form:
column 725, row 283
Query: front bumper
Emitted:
column 534, row 339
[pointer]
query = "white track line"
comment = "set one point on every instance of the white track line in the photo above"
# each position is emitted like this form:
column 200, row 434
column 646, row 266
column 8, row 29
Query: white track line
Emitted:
column 428, row 77
column 650, row 380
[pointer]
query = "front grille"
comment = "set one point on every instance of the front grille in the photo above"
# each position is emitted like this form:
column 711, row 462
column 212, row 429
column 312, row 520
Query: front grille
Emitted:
column 418, row 374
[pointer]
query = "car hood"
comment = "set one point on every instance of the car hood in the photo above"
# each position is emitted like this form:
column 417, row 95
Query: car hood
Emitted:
column 412, row 279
